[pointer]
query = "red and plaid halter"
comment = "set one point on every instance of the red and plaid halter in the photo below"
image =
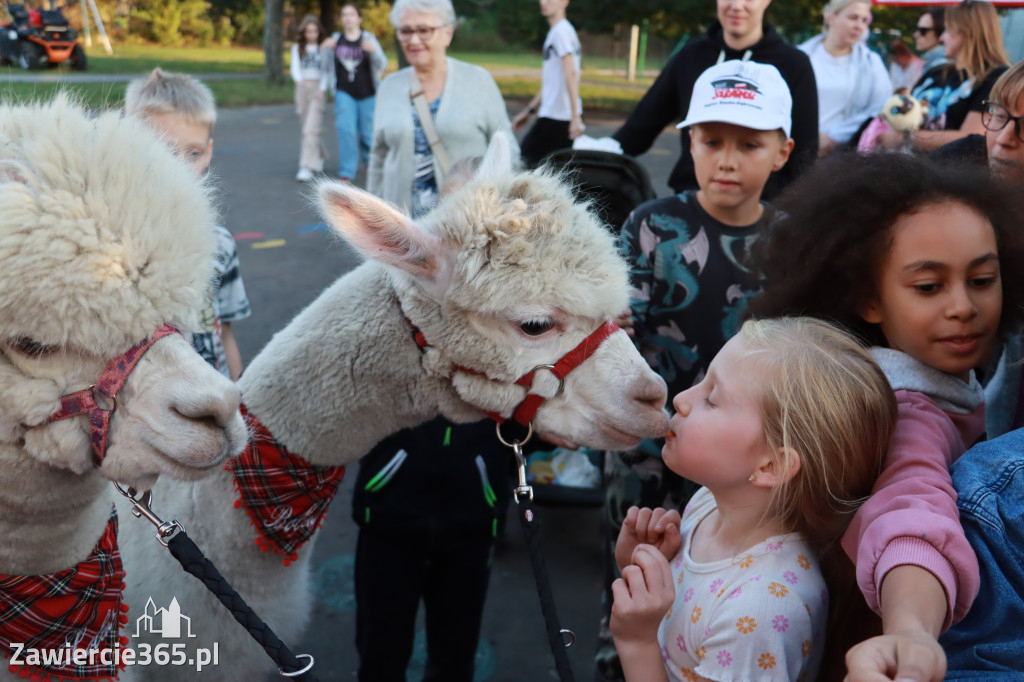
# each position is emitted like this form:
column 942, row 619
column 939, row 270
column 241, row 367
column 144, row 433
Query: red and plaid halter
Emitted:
column 524, row 412
column 285, row 496
column 80, row 606
column 100, row 399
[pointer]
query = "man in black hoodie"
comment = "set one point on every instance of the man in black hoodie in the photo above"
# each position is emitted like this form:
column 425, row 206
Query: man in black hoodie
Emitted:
column 739, row 33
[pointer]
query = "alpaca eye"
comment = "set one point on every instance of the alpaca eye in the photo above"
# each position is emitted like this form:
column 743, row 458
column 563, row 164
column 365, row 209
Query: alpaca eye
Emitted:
column 28, row 346
column 536, row 327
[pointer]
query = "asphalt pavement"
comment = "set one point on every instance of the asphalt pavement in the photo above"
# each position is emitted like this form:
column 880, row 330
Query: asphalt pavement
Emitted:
column 288, row 256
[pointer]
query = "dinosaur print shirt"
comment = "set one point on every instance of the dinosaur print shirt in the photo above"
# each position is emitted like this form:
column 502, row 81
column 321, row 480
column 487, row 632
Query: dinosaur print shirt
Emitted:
column 754, row 617
column 690, row 286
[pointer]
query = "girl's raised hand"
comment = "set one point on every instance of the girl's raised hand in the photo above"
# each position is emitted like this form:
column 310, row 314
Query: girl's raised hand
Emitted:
column 642, row 595
column 658, row 527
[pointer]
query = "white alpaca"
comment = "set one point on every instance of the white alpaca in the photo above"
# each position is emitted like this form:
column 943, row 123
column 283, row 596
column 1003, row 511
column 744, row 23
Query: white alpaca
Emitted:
column 506, row 274
column 104, row 238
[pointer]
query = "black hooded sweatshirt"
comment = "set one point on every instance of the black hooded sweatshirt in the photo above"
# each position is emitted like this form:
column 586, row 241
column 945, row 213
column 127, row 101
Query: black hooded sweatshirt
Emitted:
column 669, row 98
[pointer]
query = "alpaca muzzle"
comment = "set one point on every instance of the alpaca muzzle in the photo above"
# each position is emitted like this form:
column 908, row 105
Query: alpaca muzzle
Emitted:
column 524, row 412
column 99, row 401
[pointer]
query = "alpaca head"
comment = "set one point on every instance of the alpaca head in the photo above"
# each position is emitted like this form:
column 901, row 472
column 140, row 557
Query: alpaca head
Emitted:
column 507, row 273
column 104, row 237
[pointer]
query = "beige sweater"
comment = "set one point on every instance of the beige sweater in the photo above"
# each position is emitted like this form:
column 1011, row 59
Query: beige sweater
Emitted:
column 471, row 111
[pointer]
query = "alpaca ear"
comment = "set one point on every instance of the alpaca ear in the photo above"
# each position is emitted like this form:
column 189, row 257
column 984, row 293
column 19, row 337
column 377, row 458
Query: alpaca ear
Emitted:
column 377, row 230
column 498, row 159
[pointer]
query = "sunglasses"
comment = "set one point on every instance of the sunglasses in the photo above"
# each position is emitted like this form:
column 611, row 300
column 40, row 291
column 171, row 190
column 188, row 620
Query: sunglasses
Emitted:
column 995, row 117
column 923, row 30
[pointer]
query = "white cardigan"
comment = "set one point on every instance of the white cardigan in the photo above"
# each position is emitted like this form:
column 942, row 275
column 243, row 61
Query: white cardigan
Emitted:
column 471, row 111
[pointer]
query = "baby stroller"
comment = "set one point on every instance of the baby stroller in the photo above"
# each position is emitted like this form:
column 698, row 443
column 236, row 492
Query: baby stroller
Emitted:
column 616, row 184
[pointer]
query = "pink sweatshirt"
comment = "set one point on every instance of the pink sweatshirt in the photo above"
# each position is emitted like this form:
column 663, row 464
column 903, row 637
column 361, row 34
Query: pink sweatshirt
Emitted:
column 911, row 516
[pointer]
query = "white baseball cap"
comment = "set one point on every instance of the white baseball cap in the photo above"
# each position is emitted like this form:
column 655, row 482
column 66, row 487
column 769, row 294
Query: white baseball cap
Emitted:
column 743, row 93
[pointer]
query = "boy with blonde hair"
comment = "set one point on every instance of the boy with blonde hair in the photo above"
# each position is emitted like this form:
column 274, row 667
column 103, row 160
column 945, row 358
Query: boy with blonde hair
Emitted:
column 182, row 111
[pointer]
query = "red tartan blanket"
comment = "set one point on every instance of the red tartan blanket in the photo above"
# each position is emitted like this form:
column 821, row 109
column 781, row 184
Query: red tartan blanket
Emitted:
column 285, row 496
column 80, row 607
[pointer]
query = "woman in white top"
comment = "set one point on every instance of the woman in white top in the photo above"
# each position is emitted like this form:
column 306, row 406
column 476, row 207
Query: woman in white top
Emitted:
column 462, row 100
column 310, row 78
column 853, row 83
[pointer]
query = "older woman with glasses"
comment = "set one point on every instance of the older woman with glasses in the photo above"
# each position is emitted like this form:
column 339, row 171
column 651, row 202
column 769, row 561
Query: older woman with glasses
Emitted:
column 408, row 164
column 1003, row 118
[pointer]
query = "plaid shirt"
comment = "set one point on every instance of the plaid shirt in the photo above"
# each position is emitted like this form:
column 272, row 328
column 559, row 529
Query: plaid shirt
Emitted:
column 286, row 496
column 80, row 606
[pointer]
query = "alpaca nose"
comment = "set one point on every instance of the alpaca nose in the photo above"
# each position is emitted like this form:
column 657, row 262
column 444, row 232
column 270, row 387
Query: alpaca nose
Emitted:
column 650, row 392
column 217, row 403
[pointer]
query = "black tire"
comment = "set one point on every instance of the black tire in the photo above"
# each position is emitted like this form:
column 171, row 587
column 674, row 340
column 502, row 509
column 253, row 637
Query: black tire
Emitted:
column 77, row 59
column 31, row 56
column 8, row 48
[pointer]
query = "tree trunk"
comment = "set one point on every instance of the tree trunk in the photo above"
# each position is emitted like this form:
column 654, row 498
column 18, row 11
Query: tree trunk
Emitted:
column 328, row 14
column 273, row 42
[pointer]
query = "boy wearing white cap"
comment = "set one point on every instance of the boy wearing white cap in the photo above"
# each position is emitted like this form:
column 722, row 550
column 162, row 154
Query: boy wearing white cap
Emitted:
column 687, row 255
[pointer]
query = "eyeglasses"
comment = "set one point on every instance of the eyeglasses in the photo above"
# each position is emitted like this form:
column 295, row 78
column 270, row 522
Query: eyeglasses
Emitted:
column 995, row 117
column 406, row 33
column 923, row 30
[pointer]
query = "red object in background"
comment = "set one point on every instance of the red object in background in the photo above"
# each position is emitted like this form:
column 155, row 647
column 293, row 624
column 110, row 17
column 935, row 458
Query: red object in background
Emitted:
column 35, row 18
column 930, row 3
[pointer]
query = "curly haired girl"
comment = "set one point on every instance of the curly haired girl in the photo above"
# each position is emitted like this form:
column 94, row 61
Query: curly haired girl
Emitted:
column 917, row 260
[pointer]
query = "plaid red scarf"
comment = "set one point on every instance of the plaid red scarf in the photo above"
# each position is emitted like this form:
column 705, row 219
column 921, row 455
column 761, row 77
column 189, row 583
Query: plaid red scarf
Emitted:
column 81, row 606
column 285, row 496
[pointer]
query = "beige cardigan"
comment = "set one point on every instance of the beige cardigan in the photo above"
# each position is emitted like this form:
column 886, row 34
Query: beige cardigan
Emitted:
column 471, row 111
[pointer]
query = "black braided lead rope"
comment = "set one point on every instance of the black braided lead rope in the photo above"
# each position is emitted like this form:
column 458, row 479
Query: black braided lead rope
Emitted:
column 192, row 560
column 531, row 531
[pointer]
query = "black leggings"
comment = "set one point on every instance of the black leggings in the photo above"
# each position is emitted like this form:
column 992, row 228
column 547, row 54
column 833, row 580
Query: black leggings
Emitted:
column 394, row 570
column 547, row 135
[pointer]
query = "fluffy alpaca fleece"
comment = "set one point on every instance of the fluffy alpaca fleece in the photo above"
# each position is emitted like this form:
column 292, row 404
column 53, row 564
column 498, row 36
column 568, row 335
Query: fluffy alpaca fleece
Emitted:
column 104, row 237
column 505, row 250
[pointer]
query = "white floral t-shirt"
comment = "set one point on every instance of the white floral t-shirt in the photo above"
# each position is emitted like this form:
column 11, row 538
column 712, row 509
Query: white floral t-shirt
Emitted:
column 755, row 617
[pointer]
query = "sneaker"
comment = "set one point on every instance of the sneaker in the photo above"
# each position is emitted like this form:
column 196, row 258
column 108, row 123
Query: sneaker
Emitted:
column 304, row 175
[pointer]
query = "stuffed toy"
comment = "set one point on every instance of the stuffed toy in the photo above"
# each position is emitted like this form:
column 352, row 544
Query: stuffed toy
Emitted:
column 902, row 113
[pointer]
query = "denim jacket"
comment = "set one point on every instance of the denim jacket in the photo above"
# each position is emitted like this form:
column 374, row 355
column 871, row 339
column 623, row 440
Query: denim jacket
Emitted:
column 988, row 643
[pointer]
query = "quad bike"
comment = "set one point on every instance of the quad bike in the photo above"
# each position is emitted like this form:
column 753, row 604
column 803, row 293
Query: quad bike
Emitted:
column 35, row 38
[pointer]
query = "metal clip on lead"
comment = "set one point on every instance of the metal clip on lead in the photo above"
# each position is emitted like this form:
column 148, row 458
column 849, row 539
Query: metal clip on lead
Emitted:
column 165, row 530
column 517, row 449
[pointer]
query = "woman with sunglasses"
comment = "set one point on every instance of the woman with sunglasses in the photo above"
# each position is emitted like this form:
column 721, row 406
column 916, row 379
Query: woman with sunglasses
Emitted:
column 930, row 26
column 955, row 93
column 463, row 102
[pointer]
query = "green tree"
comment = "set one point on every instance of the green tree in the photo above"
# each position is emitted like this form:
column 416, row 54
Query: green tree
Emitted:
column 174, row 22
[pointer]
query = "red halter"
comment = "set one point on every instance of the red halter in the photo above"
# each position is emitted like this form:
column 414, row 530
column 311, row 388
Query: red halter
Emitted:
column 525, row 411
column 100, row 399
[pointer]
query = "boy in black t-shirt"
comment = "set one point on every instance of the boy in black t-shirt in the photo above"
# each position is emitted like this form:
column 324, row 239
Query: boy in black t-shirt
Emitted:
column 687, row 254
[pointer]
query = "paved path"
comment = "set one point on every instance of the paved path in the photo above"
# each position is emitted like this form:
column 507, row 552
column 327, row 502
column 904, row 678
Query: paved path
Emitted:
column 287, row 259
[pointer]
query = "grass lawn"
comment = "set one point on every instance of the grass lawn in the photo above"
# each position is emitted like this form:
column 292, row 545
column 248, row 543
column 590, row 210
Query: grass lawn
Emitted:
column 143, row 58
column 600, row 90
